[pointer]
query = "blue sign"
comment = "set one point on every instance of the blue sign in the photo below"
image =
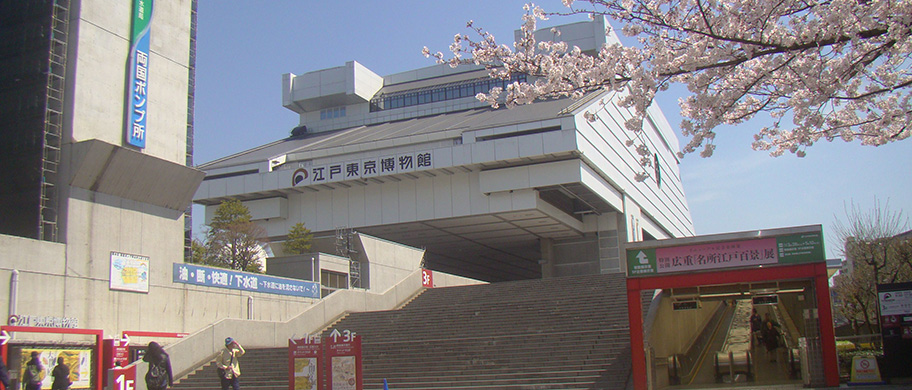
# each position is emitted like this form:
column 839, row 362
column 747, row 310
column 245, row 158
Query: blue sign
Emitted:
column 138, row 77
column 224, row 278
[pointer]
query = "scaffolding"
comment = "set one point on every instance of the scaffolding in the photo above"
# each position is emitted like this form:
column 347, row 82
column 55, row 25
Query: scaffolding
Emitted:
column 345, row 248
column 33, row 66
column 53, row 120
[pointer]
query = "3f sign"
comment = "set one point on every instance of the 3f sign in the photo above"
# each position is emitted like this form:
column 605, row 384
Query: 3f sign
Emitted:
column 125, row 384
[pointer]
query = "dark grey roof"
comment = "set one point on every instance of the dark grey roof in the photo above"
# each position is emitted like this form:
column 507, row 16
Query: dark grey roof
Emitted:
column 459, row 121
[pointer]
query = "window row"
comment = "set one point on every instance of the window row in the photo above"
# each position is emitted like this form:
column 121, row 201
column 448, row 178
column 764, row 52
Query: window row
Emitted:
column 414, row 98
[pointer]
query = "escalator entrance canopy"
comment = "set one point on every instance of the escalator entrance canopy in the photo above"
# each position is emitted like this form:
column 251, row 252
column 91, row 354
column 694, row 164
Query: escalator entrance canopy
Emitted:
column 716, row 281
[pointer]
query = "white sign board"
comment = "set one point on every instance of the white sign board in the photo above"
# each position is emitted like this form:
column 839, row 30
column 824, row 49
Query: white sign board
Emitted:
column 129, row 272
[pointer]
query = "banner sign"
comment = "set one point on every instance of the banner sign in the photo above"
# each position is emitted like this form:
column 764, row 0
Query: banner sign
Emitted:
column 788, row 249
column 343, row 350
column 138, row 74
column 129, row 272
column 362, row 169
column 305, row 362
column 236, row 280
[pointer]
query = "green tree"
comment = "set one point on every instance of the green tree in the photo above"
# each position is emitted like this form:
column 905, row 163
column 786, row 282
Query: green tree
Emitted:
column 233, row 240
column 299, row 241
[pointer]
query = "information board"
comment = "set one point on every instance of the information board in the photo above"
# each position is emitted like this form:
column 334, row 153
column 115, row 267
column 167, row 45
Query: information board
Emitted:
column 343, row 352
column 305, row 363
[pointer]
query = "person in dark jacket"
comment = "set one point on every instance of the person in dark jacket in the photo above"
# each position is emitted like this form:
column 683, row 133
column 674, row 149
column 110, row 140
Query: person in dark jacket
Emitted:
column 34, row 373
column 159, row 376
column 61, row 375
column 771, row 340
column 4, row 375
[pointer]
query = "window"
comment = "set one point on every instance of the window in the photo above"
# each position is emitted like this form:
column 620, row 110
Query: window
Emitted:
column 331, row 113
column 332, row 279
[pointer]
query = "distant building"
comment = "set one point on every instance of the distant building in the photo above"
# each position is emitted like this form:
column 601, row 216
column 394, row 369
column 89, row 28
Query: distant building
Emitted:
column 494, row 194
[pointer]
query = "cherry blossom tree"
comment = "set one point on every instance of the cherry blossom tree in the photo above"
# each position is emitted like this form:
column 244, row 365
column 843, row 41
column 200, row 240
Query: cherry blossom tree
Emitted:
column 814, row 69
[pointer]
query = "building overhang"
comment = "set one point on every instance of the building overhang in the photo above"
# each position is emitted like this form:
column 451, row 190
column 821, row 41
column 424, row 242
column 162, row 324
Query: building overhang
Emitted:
column 114, row 170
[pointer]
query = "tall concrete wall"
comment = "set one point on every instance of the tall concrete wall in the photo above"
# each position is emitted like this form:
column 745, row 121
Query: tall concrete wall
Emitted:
column 57, row 287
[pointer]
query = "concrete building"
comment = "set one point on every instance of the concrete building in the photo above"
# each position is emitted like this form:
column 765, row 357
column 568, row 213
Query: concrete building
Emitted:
column 97, row 126
column 493, row 194
column 96, row 121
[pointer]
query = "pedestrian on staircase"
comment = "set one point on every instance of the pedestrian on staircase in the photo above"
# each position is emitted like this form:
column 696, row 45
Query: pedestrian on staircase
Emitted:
column 159, row 376
column 227, row 364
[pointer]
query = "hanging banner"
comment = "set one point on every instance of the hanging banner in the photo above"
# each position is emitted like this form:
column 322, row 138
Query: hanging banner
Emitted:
column 138, row 75
column 236, row 280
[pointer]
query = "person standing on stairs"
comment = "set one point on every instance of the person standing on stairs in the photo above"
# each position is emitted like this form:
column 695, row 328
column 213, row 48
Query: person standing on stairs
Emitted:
column 159, row 376
column 227, row 364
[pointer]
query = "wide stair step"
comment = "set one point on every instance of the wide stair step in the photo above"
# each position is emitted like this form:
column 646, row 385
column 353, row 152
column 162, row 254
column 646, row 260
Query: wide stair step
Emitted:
column 561, row 333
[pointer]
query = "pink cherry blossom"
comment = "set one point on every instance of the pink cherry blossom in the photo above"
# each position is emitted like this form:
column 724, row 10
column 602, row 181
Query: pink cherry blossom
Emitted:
column 812, row 69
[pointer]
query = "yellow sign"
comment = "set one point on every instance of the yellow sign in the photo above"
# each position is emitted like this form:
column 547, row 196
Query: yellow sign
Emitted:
column 865, row 370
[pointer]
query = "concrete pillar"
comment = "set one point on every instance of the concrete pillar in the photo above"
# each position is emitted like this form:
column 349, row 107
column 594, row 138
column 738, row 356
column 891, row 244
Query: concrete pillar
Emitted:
column 547, row 258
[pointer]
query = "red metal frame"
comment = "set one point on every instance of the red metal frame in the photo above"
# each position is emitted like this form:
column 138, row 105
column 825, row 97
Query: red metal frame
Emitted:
column 99, row 337
column 140, row 333
column 814, row 271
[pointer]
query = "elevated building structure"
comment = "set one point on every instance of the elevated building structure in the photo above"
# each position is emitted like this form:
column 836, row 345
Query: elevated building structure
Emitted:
column 493, row 194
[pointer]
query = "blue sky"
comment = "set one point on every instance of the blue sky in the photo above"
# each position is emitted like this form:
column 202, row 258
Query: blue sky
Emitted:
column 244, row 47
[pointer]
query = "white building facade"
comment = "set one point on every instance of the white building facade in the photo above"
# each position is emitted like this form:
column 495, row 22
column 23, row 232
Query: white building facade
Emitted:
column 494, row 194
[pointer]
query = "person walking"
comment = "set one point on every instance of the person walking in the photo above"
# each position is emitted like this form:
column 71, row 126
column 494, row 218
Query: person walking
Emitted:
column 4, row 376
column 756, row 323
column 159, row 376
column 227, row 364
column 771, row 340
column 34, row 373
column 61, row 375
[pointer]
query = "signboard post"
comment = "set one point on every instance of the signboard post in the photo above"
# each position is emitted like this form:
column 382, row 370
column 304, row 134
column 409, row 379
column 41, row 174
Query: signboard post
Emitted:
column 305, row 363
column 895, row 303
column 427, row 278
column 115, row 353
column 123, row 378
column 343, row 352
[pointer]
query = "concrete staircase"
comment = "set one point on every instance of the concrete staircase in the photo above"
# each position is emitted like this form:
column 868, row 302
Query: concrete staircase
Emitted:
column 261, row 369
column 562, row 333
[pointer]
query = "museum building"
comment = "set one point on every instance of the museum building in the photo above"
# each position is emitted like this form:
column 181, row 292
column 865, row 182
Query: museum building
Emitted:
column 533, row 191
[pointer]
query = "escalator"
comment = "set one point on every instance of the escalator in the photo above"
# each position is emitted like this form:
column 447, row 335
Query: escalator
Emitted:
column 735, row 357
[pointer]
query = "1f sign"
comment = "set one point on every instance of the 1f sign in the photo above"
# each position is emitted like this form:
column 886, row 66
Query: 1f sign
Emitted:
column 124, row 378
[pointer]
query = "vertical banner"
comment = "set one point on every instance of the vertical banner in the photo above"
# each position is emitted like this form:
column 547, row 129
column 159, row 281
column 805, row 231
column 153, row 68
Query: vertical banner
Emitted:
column 138, row 74
column 305, row 363
column 343, row 352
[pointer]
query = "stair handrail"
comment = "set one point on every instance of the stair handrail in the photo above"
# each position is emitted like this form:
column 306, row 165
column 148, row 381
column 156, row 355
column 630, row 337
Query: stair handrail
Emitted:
column 200, row 347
